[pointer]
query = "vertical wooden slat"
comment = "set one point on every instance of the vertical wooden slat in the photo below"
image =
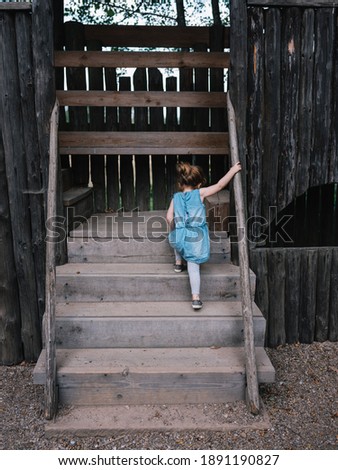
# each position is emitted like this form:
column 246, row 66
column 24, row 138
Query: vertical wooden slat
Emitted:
column 112, row 169
column 272, row 110
column 186, row 115
column 157, row 161
column 126, row 161
column 96, row 116
column 16, row 172
column 333, row 316
column 258, row 263
column 142, row 161
column 292, row 294
column 276, row 285
column 76, row 80
column 305, row 102
column 171, row 125
column 255, row 110
column 323, row 294
column 308, row 286
column 322, row 98
column 289, row 105
column 202, row 114
column 218, row 115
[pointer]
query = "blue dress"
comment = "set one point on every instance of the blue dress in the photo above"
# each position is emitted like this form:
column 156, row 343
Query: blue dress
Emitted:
column 190, row 237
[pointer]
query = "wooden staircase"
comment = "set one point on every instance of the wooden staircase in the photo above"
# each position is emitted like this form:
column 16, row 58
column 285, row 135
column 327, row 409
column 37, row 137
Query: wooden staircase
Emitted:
column 125, row 329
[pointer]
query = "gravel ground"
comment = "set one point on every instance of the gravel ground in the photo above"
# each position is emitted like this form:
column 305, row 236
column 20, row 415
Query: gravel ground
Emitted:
column 301, row 405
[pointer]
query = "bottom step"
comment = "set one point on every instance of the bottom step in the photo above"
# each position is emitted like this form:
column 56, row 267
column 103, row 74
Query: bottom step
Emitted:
column 153, row 376
column 101, row 421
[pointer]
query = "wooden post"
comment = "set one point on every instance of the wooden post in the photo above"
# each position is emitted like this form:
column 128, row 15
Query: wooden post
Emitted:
column 249, row 346
column 49, row 323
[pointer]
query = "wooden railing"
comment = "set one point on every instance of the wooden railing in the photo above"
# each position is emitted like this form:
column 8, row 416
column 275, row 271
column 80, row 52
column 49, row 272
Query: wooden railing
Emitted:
column 252, row 397
column 49, row 320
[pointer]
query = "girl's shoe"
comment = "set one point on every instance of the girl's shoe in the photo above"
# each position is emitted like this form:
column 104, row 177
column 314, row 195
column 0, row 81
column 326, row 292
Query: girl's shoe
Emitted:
column 178, row 268
column 197, row 304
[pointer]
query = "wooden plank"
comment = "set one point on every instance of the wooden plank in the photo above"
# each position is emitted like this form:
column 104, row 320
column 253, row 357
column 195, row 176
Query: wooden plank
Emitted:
column 218, row 117
column 171, row 126
column 255, row 111
column 152, row 143
column 291, row 51
column 140, row 59
column 78, row 119
column 151, row 36
column 12, row 6
column 307, row 314
column 152, row 99
column 306, row 102
column 323, row 294
column 126, row 163
column 112, row 163
column 158, row 161
column 272, row 99
column 141, row 161
column 258, row 264
column 292, row 295
column 293, row 3
column 96, row 123
column 322, row 103
column 16, row 172
column 333, row 315
column 276, row 282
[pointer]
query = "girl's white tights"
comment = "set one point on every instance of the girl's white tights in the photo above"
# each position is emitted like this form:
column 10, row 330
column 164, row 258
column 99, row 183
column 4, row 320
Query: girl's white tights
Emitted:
column 194, row 275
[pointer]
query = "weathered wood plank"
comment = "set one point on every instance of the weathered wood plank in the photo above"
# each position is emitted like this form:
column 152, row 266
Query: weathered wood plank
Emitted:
column 96, row 123
column 323, row 73
column 78, row 120
column 141, row 161
column 255, row 111
column 15, row 6
column 126, row 163
column 333, row 316
column 155, row 143
column 151, row 36
column 112, row 169
column 276, row 283
column 291, row 50
column 171, row 126
column 16, row 172
column 323, row 294
column 305, row 102
column 151, row 99
column 307, row 314
column 292, row 295
column 158, row 161
column 272, row 99
column 180, row 60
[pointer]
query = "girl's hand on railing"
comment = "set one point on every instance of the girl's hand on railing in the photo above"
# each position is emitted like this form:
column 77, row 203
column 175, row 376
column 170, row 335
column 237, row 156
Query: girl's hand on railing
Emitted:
column 236, row 168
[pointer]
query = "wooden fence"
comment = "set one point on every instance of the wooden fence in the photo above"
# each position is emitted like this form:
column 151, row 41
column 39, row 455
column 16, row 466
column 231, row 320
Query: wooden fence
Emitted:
column 25, row 63
column 141, row 180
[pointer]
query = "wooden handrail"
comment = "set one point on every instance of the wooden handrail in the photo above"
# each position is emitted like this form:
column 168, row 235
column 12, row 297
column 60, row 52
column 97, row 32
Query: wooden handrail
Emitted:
column 49, row 320
column 252, row 395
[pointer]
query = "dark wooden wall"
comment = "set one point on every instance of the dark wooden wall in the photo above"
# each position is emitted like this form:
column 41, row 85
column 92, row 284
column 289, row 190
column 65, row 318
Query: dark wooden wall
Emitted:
column 26, row 66
column 286, row 80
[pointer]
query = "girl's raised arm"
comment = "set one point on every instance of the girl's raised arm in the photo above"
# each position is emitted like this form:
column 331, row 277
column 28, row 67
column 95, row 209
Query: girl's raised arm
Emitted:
column 222, row 183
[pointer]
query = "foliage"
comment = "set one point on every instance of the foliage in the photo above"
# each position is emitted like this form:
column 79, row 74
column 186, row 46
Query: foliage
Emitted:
column 149, row 12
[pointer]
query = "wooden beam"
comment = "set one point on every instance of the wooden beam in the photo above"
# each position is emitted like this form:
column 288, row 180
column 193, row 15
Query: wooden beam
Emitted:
column 151, row 36
column 142, row 99
column 141, row 59
column 143, row 143
column 293, row 3
column 16, row 6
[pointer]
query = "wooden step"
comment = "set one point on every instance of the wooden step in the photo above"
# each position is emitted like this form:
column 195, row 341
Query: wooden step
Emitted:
column 98, row 282
column 152, row 376
column 152, row 325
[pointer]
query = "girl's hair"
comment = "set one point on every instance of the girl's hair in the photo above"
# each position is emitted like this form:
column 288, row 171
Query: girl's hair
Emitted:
column 189, row 175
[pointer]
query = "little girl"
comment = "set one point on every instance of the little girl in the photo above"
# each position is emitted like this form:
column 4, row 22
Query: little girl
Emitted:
column 186, row 216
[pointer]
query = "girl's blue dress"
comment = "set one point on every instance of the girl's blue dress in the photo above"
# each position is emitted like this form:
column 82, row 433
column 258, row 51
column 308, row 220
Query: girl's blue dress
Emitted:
column 190, row 237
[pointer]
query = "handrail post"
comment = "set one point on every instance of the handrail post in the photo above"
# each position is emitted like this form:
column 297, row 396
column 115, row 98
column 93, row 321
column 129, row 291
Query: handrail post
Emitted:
column 252, row 397
column 49, row 321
